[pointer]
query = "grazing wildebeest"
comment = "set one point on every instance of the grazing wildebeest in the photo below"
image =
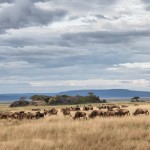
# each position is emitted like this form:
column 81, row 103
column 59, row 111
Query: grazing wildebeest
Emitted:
column 122, row 112
column 53, row 111
column 4, row 116
column 141, row 111
column 96, row 113
column 21, row 115
column 36, row 109
column 79, row 114
column 86, row 108
column 109, row 107
column 65, row 112
column 123, row 106
column 100, row 107
column 75, row 108
column 90, row 107
column 110, row 113
column 14, row 115
column 39, row 115
column 112, row 107
column 30, row 115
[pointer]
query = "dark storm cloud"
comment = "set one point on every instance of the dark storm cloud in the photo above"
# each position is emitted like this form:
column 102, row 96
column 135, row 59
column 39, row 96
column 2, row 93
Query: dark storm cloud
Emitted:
column 25, row 14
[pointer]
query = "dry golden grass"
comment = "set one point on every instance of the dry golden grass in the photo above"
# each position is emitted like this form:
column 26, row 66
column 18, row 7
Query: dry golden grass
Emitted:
column 64, row 133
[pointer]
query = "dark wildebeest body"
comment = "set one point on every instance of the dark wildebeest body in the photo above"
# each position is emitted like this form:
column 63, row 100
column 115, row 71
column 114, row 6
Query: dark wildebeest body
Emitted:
column 96, row 113
column 30, row 115
column 85, row 108
column 122, row 112
column 53, row 111
column 39, row 115
column 36, row 109
column 109, row 107
column 65, row 111
column 110, row 113
column 80, row 114
column 112, row 107
column 75, row 108
column 141, row 111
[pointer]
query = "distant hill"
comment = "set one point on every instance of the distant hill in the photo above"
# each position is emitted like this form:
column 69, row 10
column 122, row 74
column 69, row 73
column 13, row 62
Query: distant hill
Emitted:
column 108, row 93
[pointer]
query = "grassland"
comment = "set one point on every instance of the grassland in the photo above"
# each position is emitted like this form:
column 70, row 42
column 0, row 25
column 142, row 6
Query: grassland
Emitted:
column 64, row 133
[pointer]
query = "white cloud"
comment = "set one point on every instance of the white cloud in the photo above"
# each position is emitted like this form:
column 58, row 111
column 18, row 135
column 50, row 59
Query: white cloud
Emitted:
column 135, row 65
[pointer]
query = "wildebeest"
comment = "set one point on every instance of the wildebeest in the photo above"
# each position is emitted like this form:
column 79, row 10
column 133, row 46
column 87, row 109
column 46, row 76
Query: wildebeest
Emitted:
column 122, row 112
column 86, row 108
column 53, row 111
column 141, row 111
column 112, row 107
column 96, row 113
column 30, row 115
column 4, row 116
column 79, row 114
column 36, row 109
column 110, row 113
column 75, row 108
column 65, row 111
column 109, row 107
column 123, row 106
column 39, row 115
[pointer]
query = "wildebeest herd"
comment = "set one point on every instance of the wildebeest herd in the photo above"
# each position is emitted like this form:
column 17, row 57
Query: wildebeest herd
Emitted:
column 101, row 110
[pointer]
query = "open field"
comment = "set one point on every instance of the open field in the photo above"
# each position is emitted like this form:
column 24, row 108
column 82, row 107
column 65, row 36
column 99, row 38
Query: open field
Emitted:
column 64, row 133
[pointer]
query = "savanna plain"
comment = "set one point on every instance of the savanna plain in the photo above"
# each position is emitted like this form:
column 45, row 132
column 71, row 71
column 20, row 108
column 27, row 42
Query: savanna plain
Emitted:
column 59, row 132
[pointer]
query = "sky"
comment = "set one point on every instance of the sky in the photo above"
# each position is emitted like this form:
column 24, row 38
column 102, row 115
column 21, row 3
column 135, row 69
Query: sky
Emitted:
column 60, row 45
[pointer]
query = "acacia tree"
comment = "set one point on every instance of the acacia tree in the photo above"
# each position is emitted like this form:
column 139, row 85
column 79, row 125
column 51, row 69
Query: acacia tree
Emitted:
column 136, row 98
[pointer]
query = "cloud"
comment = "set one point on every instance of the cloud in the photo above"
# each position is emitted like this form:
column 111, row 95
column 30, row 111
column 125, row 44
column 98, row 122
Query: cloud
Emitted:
column 53, row 45
column 146, row 1
column 7, row 1
column 135, row 65
column 85, row 3
column 105, row 37
column 147, row 4
column 51, row 51
column 24, row 13
column 13, row 1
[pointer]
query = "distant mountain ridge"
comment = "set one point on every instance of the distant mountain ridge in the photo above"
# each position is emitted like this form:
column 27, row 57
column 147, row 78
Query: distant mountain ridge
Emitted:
column 109, row 93
column 106, row 93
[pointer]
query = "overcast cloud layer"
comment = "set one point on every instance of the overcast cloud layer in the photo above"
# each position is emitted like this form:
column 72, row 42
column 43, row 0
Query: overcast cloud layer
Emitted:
column 53, row 45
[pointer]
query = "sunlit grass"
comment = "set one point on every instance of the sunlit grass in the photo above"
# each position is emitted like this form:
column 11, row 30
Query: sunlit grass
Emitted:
column 59, row 132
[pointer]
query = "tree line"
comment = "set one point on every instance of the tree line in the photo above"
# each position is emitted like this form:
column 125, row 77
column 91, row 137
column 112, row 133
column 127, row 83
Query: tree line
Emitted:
column 66, row 99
